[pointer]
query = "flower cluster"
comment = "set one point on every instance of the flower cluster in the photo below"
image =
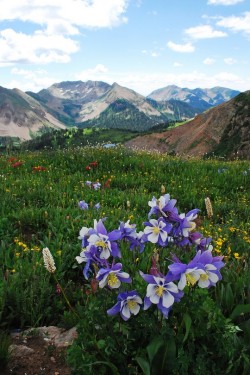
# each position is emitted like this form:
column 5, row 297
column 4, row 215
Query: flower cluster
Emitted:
column 91, row 165
column 85, row 206
column 170, row 230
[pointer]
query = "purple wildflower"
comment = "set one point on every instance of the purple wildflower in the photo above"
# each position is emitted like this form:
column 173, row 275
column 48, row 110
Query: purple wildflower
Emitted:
column 128, row 303
column 162, row 292
column 113, row 277
column 104, row 241
column 157, row 231
column 164, row 206
column 83, row 205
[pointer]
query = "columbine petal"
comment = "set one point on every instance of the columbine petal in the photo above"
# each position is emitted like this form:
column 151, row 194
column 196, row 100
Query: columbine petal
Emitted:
column 167, row 299
column 213, row 277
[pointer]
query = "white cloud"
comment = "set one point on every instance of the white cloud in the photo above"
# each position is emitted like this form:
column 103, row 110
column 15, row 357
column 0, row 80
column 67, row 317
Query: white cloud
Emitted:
column 99, row 72
column 177, row 64
column 144, row 84
column 235, row 23
column 185, row 48
column 204, row 32
column 81, row 13
column 230, row 61
column 37, row 48
column 30, row 80
column 209, row 61
column 223, row 2
column 57, row 20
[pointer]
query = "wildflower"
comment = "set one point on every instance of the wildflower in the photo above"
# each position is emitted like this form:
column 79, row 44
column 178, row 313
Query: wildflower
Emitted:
column 104, row 241
column 97, row 206
column 164, row 206
column 17, row 164
column 88, row 183
column 113, row 277
column 157, row 231
column 203, row 269
column 128, row 303
column 236, row 255
column 162, row 292
column 93, row 164
column 186, row 223
column 38, row 168
column 83, row 205
column 209, row 207
column 88, row 168
column 48, row 260
column 96, row 185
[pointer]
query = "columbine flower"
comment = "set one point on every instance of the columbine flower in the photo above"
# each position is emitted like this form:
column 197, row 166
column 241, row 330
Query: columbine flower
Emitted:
column 164, row 206
column 203, row 269
column 113, row 277
column 157, row 231
column 48, row 259
column 211, row 268
column 186, row 223
column 97, row 206
column 128, row 303
column 83, row 205
column 104, row 241
column 162, row 292
column 96, row 185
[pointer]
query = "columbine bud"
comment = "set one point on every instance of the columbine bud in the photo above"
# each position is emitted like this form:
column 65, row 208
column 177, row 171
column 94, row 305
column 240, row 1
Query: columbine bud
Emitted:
column 163, row 189
column 209, row 207
column 48, row 260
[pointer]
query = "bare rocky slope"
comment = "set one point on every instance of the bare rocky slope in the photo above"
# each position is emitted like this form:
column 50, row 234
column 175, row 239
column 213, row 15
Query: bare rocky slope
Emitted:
column 22, row 117
column 222, row 131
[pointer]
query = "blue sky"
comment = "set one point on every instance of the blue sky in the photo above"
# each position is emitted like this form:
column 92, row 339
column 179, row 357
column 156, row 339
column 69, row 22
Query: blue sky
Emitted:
column 141, row 44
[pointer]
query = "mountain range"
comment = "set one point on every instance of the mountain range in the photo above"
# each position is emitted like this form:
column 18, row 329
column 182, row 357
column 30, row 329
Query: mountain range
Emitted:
column 99, row 104
column 223, row 130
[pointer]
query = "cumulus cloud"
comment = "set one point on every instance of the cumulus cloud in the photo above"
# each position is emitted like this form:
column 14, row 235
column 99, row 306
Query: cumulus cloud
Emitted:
column 185, row 48
column 224, row 2
column 99, row 72
column 229, row 61
column 37, row 48
column 30, row 80
column 236, row 23
column 57, row 22
column 82, row 13
column 209, row 61
column 204, row 32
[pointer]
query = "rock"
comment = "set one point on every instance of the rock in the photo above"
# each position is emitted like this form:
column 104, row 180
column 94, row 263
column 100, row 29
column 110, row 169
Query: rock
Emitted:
column 59, row 336
column 17, row 351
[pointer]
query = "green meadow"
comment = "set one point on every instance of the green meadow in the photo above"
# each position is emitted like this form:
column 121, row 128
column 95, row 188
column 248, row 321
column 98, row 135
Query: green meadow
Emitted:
column 39, row 196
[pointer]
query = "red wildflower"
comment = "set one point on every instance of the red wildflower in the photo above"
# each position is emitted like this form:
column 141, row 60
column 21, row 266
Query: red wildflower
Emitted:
column 88, row 168
column 106, row 184
column 38, row 168
column 93, row 164
column 17, row 164
column 12, row 159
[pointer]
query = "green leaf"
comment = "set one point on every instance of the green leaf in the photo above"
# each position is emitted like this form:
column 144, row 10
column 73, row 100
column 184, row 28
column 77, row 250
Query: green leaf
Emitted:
column 188, row 322
column 239, row 310
column 144, row 364
column 153, row 347
column 164, row 360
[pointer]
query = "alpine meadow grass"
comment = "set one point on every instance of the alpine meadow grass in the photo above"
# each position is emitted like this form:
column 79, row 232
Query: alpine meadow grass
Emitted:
column 107, row 214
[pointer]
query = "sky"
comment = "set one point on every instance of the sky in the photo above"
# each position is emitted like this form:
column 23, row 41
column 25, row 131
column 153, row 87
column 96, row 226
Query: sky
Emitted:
column 140, row 44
